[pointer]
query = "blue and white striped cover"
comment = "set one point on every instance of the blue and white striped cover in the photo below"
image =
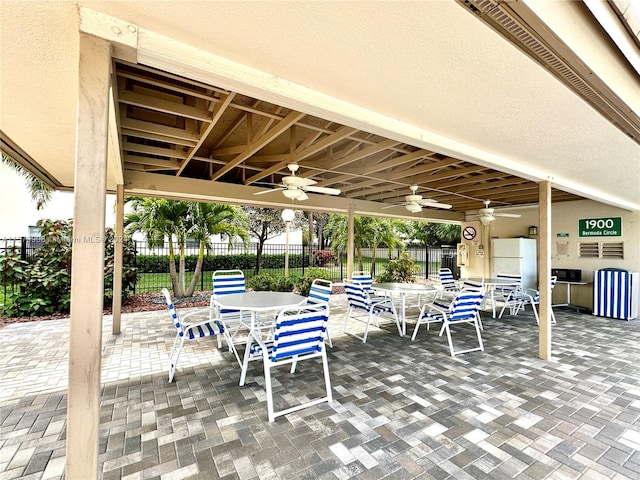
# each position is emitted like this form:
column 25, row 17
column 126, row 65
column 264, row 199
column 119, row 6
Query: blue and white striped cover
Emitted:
column 204, row 329
column 295, row 333
column 363, row 278
column 359, row 299
column 615, row 294
column 463, row 308
column 228, row 281
column 447, row 281
column 320, row 291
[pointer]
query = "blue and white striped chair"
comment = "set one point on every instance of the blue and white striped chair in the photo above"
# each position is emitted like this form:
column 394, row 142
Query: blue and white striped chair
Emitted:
column 519, row 300
column 365, row 309
column 320, row 294
column 298, row 335
column 503, row 293
column 364, row 278
column 226, row 282
column 463, row 309
column 186, row 331
column 447, row 283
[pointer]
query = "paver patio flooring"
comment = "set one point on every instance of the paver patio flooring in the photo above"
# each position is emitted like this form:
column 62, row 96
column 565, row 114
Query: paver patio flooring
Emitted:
column 401, row 409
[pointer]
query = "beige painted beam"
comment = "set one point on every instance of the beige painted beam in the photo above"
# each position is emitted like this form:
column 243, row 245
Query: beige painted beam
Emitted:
column 350, row 242
column 87, row 266
column 544, row 270
column 118, row 244
column 166, row 186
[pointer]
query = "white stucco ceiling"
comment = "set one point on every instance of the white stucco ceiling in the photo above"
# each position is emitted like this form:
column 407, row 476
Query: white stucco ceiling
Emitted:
column 428, row 64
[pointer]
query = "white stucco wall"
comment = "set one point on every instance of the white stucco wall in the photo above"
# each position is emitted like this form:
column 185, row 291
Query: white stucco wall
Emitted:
column 565, row 218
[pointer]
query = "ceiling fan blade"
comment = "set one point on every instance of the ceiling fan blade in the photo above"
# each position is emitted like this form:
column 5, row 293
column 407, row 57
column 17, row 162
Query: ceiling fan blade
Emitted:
column 270, row 190
column 297, row 181
column 391, row 206
column 510, row 215
column 325, row 190
column 302, row 196
column 438, row 205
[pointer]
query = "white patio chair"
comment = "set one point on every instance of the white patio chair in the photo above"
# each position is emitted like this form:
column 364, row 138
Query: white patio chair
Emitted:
column 365, row 309
column 299, row 335
column 320, row 294
column 463, row 309
column 519, row 300
column 186, row 331
column 448, row 284
column 226, row 282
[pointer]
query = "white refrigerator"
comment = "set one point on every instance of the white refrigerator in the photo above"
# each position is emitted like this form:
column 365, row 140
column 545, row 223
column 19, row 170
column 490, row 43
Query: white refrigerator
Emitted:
column 516, row 255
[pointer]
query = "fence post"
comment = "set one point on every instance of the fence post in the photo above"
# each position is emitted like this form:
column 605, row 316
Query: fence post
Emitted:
column 23, row 248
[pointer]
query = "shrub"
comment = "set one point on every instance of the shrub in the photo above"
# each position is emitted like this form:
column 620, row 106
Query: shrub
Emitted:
column 270, row 282
column 43, row 285
column 303, row 284
column 323, row 257
column 400, row 269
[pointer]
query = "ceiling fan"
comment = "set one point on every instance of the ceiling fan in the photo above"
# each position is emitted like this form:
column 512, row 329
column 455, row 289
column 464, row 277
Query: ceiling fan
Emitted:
column 414, row 202
column 295, row 188
column 487, row 215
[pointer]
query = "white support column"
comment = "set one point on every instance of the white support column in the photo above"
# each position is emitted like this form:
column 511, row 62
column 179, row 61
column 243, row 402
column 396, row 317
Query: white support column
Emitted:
column 350, row 242
column 117, row 260
column 544, row 270
column 87, row 267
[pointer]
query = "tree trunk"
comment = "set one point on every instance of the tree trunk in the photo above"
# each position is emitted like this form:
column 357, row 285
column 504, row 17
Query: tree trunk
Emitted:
column 311, row 232
column 373, row 262
column 196, row 273
column 177, row 291
column 181, row 266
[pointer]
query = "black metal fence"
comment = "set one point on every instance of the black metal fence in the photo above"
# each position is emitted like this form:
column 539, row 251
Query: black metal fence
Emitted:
column 153, row 264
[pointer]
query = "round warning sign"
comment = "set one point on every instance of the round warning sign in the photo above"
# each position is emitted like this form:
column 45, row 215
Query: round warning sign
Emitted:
column 469, row 233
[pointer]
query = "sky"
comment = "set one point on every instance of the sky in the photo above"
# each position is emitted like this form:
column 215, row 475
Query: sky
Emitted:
column 18, row 211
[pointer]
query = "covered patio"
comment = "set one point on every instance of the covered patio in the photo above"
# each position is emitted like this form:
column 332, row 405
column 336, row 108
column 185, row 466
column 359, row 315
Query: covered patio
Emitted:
column 526, row 104
column 401, row 409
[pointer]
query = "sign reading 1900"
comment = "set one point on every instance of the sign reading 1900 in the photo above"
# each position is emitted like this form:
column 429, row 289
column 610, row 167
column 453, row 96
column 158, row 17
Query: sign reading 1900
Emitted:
column 600, row 227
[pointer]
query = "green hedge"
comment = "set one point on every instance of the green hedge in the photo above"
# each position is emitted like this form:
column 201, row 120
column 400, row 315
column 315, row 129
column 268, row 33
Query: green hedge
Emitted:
column 160, row 263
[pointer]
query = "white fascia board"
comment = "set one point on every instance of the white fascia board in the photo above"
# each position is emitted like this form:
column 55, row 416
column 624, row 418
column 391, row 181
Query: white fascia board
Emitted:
column 167, row 54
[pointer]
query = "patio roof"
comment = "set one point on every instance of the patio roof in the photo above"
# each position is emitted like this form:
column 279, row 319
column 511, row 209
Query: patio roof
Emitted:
column 369, row 98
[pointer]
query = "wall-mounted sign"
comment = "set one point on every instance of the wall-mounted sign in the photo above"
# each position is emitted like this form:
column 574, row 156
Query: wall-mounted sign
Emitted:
column 562, row 235
column 469, row 233
column 600, row 227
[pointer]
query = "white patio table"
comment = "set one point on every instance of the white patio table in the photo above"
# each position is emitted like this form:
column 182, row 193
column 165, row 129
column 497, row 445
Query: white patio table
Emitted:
column 258, row 302
column 403, row 289
column 490, row 284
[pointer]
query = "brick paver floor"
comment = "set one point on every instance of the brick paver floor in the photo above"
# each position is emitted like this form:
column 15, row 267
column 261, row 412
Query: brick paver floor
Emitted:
column 401, row 409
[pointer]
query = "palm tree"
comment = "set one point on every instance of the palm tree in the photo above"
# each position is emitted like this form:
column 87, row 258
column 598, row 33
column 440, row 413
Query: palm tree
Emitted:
column 209, row 219
column 158, row 219
column 40, row 192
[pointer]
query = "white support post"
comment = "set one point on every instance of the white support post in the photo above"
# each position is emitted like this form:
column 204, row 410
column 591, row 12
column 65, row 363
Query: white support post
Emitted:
column 350, row 242
column 118, row 244
column 87, row 267
column 544, row 269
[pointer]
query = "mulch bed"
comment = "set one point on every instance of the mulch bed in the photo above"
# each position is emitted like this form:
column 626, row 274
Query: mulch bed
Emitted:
column 143, row 302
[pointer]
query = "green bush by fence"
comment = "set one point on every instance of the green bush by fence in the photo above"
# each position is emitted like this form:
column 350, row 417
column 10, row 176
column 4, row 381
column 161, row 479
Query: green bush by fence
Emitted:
column 211, row 263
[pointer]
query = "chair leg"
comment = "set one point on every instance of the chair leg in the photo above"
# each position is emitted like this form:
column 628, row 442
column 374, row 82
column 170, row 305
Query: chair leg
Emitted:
column 245, row 363
column 346, row 319
column 479, row 336
column 448, row 330
column 267, row 384
column 173, row 364
column 415, row 330
column 327, row 379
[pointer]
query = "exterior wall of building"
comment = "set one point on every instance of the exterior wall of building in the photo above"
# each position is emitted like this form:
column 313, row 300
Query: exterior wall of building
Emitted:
column 565, row 243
